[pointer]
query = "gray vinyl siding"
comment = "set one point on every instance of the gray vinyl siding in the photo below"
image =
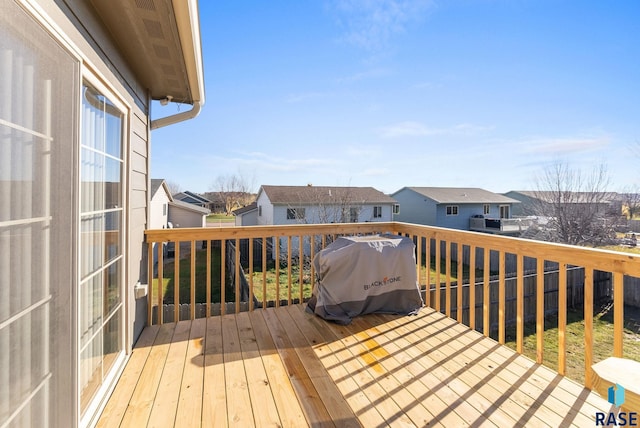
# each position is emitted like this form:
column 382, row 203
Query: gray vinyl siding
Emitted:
column 415, row 208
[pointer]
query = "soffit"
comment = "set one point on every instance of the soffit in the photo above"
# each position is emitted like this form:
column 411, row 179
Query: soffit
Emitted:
column 147, row 34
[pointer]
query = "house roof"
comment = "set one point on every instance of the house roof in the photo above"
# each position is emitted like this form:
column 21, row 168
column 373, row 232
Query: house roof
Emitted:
column 329, row 195
column 461, row 195
column 190, row 207
column 251, row 207
column 156, row 183
column 187, row 194
column 161, row 41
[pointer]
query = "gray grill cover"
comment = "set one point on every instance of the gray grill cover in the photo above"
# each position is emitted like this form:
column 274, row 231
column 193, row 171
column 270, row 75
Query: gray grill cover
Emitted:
column 361, row 275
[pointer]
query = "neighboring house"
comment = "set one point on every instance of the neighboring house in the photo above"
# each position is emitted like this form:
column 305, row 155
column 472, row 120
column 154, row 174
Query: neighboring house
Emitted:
column 159, row 204
column 247, row 215
column 167, row 212
column 76, row 83
column 460, row 208
column 322, row 204
column 235, row 200
column 193, row 198
column 182, row 214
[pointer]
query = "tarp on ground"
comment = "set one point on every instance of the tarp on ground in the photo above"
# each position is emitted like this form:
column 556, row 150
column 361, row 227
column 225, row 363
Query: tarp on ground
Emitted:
column 365, row 274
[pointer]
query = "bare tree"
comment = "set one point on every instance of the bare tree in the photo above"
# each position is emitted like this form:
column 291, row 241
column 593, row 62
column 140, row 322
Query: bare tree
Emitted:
column 234, row 191
column 631, row 202
column 173, row 186
column 575, row 205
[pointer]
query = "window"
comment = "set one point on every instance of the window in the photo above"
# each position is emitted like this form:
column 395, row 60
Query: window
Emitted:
column 100, row 299
column 487, row 209
column 295, row 213
column 377, row 212
column 164, row 209
column 452, row 210
column 396, row 208
column 504, row 211
column 259, row 210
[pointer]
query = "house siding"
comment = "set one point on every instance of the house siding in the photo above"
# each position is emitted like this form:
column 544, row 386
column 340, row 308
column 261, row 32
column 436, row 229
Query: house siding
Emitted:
column 415, row 208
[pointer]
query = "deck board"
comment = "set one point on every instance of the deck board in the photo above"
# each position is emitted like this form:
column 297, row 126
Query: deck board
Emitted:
column 285, row 367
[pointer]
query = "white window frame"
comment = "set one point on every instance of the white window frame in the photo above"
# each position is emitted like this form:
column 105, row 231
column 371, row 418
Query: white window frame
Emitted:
column 396, row 209
column 377, row 211
column 94, row 78
column 486, row 209
column 451, row 210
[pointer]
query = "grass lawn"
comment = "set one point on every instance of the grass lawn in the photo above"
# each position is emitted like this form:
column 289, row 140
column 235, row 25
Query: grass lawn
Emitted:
column 602, row 339
column 220, row 218
column 201, row 277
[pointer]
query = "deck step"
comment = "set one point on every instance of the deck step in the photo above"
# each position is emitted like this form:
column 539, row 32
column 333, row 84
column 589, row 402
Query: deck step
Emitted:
column 614, row 372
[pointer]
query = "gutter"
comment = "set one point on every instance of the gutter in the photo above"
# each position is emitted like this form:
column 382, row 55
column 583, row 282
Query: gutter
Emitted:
column 188, row 23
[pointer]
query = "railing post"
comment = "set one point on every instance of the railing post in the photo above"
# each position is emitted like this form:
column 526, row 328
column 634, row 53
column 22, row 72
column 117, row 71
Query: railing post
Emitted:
column 237, row 276
column 447, row 279
column 160, row 280
column 250, row 274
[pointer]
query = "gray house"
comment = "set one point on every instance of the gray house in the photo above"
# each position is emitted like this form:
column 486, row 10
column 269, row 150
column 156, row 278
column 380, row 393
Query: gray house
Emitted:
column 461, row 208
column 77, row 80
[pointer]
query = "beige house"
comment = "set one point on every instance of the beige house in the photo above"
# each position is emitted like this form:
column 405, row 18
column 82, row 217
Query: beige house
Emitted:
column 77, row 80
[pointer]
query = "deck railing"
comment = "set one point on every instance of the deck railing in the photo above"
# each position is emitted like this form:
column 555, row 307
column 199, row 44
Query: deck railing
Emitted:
column 276, row 260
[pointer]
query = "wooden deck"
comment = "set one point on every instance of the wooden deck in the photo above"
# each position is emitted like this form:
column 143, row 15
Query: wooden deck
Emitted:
column 284, row 367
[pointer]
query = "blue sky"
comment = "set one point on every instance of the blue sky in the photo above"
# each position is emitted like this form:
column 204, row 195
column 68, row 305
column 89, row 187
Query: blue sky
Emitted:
column 394, row 93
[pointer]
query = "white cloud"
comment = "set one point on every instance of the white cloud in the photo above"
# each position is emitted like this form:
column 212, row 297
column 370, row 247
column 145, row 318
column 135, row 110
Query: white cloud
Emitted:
column 417, row 129
column 370, row 24
column 559, row 146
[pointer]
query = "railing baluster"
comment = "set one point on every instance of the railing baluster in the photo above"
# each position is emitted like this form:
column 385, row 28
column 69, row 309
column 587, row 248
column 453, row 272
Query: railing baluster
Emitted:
column 437, row 296
column 264, row 272
column 301, row 267
column 562, row 318
column 427, row 244
column 251, row 274
column 160, row 280
column 237, row 276
column 520, row 304
column 208, row 281
column 588, row 326
column 223, row 275
column 447, row 279
column 419, row 260
column 193, row 280
column 150, row 282
column 312, row 243
column 539, row 310
column 176, row 282
column 486, row 302
column 472, row 287
column 277, row 240
column 460, row 281
column 618, row 313
column 501, row 296
column 289, row 279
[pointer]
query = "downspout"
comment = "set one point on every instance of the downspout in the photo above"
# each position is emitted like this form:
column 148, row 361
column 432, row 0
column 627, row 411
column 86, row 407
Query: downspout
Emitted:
column 177, row 118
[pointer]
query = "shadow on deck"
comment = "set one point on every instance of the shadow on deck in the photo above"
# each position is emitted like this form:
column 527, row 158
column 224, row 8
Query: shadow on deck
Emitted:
column 285, row 367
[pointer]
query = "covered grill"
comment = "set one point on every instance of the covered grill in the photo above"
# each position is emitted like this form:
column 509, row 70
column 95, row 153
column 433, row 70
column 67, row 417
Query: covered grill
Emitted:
column 365, row 274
